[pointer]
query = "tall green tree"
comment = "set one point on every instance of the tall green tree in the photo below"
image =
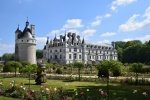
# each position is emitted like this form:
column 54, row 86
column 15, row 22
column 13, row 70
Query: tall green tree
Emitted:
column 39, row 54
column 79, row 65
column 8, row 57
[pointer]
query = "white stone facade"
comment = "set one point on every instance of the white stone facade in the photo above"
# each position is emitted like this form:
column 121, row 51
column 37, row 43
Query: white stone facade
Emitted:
column 69, row 48
column 25, row 44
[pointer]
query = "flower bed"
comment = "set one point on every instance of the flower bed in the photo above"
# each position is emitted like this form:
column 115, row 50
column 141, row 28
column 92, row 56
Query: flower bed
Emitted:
column 48, row 93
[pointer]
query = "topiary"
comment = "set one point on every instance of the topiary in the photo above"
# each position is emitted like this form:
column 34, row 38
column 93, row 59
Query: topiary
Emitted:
column 54, row 67
column 59, row 71
column 65, row 67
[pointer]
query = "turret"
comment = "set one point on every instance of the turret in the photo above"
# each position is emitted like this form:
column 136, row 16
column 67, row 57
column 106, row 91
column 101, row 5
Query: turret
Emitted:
column 113, row 44
column 47, row 42
column 17, row 33
column 32, row 30
column 83, row 41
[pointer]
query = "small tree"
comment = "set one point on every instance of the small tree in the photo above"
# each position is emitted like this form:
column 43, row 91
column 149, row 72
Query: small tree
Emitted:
column 1, row 67
column 48, row 66
column 11, row 66
column 59, row 71
column 79, row 65
column 16, row 65
column 109, row 66
column 136, row 67
column 70, row 65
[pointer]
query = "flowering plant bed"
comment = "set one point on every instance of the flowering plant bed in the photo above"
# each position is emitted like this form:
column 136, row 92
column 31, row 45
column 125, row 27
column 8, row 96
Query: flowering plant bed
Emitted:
column 81, row 92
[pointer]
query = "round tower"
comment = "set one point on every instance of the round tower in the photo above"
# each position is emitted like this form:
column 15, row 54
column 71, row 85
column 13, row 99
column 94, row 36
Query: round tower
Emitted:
column 26, row 45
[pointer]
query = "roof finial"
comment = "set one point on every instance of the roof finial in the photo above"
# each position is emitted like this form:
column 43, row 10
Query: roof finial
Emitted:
column 47, row 42
column 18, row 27
column 27, row 23
column 83, row 40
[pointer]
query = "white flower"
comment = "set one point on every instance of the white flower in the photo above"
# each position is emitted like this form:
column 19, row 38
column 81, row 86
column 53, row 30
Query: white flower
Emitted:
column 24, row 88
column 88, row 90
column 1, row 83
column 47, row 89
column 21, row 86
column 55, row 89
column 144, row 93
column 134, row 91
column 66, row 84
column 100, row 89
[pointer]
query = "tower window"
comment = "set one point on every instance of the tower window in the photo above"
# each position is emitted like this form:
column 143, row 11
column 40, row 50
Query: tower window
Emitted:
column 22, row 40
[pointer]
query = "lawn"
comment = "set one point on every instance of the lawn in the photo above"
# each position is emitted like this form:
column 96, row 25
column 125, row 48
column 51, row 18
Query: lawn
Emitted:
column 116, row 90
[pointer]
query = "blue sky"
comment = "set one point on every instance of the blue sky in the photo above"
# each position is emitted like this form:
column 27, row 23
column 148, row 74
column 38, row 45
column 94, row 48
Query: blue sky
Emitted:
column 98, row 21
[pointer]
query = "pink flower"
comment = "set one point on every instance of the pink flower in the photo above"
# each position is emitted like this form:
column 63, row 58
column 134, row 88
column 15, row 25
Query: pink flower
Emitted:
column 81, row 92
column 102, row 92
column 105, row 93
column 41, row 86
column 65, row 97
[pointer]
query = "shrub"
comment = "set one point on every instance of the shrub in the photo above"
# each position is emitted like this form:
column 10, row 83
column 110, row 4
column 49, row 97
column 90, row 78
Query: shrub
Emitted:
column 65, row 67
column 9, row 67
column 54, row 67
column 59, row 71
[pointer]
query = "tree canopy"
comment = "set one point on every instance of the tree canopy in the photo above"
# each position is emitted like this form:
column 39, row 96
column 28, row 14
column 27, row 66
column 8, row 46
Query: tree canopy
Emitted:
column 133, row 51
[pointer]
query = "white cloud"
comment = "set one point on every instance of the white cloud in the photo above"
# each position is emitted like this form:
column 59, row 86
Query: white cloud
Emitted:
column 107, row 34
column 97, row 21
column 133, row 23
column 128, row 39
column 6, row 48
column 53, row 32
column 143, row 39
column 73, row 23
column 117, row 3
column 41, row 40
column 104, row 41
column 107, row 15
column 88, row 33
